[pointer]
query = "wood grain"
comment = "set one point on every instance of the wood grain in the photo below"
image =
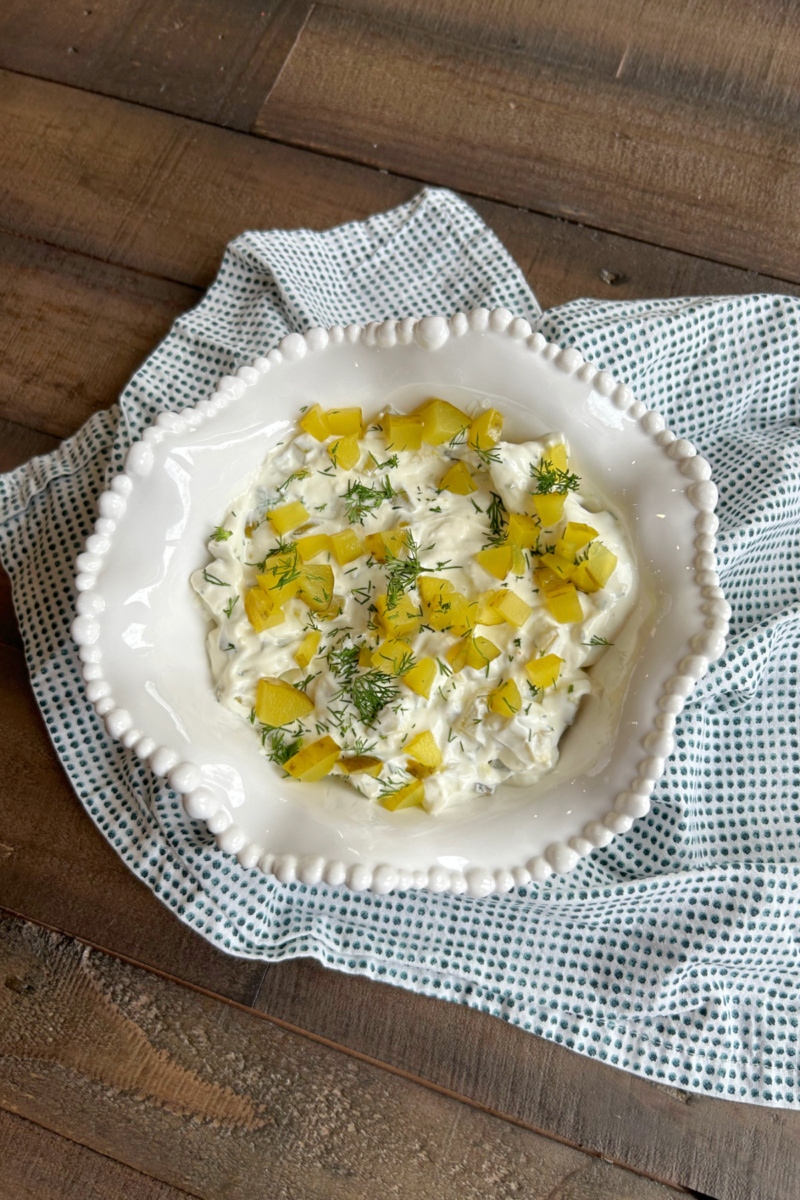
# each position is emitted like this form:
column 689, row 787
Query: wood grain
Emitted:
column 601, row 139
column 55, row 867
column 74, row 330
column 211, row 1098
column 40, row 1165
column 709, row 1145
column 215, row 62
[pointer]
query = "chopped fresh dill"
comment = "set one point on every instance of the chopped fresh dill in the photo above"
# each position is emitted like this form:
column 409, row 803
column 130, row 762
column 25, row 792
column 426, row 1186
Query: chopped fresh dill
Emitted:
column 252, row 716
column 280, row 750
column 343, row 662
column 213, row 579
column 301, row 474
column 443, row 668
column 230, row 646
column 406, row 662
column 487, row 456
column 392, row 461
column 302, row 686
column 362, row 594
column 496, row 514
column 221, row 535
column 370, row 693
column 596, row 640
column 535, row 691
column 229, row 607
column 517, row 642
column 477, row 507
column 401, row 573
column 436, row 508
column 360, row 499
column 552, row 479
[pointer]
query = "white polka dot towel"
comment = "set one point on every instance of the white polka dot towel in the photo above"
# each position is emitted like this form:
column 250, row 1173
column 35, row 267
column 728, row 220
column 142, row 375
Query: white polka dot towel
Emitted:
column 674, row 952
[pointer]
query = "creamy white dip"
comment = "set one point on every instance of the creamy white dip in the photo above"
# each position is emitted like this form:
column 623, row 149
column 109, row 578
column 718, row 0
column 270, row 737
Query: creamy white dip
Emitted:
column 480, row 749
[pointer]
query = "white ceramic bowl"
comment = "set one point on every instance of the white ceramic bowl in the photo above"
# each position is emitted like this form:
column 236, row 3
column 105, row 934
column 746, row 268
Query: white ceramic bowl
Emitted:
column 141, row 629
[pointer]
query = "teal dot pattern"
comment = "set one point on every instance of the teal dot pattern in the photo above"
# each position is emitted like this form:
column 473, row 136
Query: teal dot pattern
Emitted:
column 674, row 952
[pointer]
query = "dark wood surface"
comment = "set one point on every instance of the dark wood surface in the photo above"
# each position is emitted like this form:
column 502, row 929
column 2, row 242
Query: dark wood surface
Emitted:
column 625, row 151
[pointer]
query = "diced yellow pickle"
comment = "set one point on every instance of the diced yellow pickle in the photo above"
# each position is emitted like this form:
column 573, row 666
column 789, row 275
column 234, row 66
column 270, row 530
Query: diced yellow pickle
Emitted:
column 360, row 764
column 345, row 421
column 576, row 535
column 446, row 610
column 601, row 562
column 497, row 560
column 430, row 586
column 424, row 749
column 421, row 677
column 262, row 611
column 505, row 700
column 543, row 672
column 345, row 452
column 457, row 655
column 487, row 613
column 480, row 652
column 287, row 517
column 402, row 433
column 417, row 769
column 485, row 430
column 314, row 761
column 365, row 657
column 307, row 648
column 562, row 567
column 309, row 547
column 565, row 605
column 346, row 546
column 523, row 531
column 547, row 581
column 410, row 796
column 403, row 618
column 332, row 610
column 471, row 613
column 458, row 481
column 512, row 608
column 392, row 656
column 278, row 703
column 441, row 422
column 556, row 456
column 549, row 507
column 389, row 541
column 316, row 586
column 315, row 422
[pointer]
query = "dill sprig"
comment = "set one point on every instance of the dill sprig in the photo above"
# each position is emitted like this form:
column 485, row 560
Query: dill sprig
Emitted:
column 213, row 579
column 370, row 693
column 401, row 573
column 229, row 607
column 360, row 499
column 280, row 750
column 496, row 513
column 392, row 461
column 301, row 474
column 221, row 535
column 552, row 479
column 343, row 661
column 596, row 640
column 286, row 569
column 487, row 456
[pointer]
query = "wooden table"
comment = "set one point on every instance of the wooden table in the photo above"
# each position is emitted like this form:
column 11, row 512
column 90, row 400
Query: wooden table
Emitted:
column 650, row 151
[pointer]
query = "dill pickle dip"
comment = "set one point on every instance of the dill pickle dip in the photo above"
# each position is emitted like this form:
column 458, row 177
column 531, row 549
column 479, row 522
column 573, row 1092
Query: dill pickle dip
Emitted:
column 413, row 604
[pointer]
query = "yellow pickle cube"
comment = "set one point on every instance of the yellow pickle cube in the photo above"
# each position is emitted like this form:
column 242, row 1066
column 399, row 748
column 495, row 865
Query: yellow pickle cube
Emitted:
column 278, row 703
column 420, row 678
column 512, row 608
column 346, row 546
column 543, row 672
column 500, row 560
column 430, row 586
column 424, row 749
column 458, row 480
column 388, row 541
column 441, row 422
column 556, row 456
column 505, row 700
column 307, row 649
column 402, row 433
column 403, row 618
column 558, row 565
column 316, row 586
column 287, row 517
column 309, row 547
column 410, row 796
column 485, row 430
column 564, row 605
column 314, row 761
column 262, row 611
column 576, row 535
column 393, row 657
column 345, row 421
column 523, row 531
column 315, row 422
column 446, row 611
column 345, row 452
column 549, row 507
column 360, row 764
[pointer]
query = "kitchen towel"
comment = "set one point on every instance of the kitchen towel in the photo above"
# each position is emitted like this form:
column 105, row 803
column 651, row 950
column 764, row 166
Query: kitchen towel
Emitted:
column 673, row 953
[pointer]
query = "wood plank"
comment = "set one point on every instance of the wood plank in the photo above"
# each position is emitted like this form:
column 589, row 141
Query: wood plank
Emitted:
column 195, row 57
column 55, row 867
column 40, row 1165
column 708, row 1145
column 603, row 140
column 74, row 331
column 162, row 195
column 214, row 1099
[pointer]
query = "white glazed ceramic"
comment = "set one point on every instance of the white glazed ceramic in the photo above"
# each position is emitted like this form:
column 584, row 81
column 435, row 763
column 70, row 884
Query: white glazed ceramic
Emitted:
column 141, row 629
